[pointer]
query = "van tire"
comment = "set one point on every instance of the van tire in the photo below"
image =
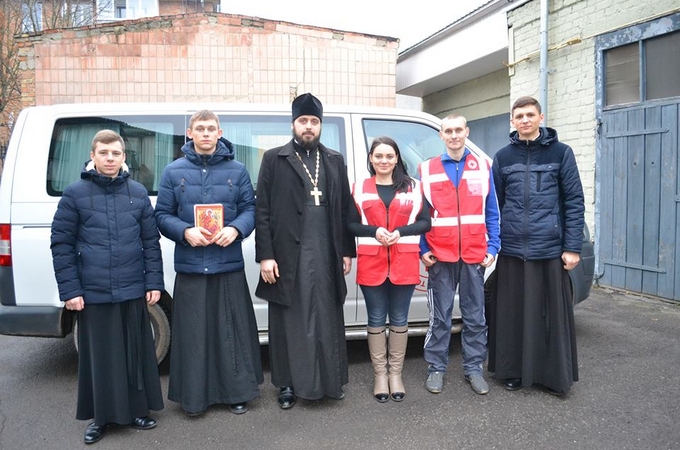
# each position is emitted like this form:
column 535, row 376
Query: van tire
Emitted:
column 161, row 330
column 160, row 326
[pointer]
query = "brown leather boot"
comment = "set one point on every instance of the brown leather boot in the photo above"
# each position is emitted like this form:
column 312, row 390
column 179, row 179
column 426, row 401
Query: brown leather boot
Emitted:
column 397, row 346
column 377, row 347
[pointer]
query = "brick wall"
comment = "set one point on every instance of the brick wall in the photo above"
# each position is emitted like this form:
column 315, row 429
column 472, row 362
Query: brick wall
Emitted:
column 571, row 80
column 207, row 57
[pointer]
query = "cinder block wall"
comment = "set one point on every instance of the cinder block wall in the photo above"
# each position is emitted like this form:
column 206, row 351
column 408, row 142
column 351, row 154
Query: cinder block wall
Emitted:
column 571, row 80
column 207, row 57
column 475, row 99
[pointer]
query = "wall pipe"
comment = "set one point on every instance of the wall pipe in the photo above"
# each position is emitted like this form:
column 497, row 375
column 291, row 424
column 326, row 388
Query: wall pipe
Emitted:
column 543, row 94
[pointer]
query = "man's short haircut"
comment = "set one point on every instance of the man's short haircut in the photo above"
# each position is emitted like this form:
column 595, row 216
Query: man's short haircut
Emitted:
column 525, row 101
column 455, row 116
column 107, row 137
column 204, row 114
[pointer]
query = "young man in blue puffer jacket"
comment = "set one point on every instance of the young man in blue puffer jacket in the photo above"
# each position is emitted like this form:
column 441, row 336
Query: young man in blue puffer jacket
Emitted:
column 531, row 333
column 107, row 262
column 215, row 351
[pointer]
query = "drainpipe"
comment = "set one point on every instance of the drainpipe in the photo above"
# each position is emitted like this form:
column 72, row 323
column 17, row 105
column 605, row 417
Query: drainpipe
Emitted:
column 543, row 94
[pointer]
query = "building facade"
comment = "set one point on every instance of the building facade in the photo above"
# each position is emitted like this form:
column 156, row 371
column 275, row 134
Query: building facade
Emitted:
column 206, row 57
column 613, row 94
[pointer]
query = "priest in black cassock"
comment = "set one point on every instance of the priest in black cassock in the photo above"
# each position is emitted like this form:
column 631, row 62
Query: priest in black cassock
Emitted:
column 304, row 253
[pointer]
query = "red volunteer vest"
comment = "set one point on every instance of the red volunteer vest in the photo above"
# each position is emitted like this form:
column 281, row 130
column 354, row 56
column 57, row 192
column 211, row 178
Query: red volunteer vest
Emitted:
column 375, row 262
column 458, row 222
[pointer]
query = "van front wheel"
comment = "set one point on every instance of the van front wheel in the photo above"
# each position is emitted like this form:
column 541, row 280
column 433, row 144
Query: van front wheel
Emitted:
column 160, row 328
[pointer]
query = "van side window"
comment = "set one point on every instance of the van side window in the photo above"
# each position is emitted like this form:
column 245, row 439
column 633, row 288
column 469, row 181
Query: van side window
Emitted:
column 417, row 141
column 254, row 135
column 153, row 142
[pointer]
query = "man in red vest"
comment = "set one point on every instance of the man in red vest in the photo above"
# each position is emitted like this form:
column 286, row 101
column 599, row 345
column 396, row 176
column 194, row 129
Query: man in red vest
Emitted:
column 463, row 241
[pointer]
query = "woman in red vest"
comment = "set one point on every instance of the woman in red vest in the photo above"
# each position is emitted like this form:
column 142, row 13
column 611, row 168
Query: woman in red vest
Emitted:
column 389, row 219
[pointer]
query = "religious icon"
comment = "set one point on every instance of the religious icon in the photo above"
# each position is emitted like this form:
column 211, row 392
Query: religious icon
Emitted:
column 210, row 217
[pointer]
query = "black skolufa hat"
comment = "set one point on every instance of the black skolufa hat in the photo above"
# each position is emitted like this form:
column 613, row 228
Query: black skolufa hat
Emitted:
column 307, row 105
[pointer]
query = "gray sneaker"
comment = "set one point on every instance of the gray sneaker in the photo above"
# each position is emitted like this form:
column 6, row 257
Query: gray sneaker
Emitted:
column 435, row 382
column 477, row 383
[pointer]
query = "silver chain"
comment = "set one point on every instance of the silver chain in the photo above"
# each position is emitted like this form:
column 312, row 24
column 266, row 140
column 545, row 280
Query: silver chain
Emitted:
column 314, row 180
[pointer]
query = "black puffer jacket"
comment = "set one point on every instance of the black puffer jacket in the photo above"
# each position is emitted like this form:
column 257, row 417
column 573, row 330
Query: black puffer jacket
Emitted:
column 540, row 197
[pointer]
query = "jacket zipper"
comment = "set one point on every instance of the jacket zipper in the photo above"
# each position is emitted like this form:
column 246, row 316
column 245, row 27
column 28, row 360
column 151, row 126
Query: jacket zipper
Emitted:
column 457, row 189
column 181, row 188
column 527, row 185
column 389, row 266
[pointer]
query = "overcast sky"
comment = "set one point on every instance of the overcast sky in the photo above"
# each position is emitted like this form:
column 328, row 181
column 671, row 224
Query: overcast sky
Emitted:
column 410, row 21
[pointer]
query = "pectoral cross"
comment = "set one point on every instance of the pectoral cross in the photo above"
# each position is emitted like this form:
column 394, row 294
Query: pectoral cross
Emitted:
column 316, row 193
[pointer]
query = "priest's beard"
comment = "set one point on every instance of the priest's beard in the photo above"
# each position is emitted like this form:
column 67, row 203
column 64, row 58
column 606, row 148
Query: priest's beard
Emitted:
column 307, row 144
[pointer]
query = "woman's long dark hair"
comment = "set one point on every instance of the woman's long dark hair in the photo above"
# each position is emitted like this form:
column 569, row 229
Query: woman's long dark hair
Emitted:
column 400, row 177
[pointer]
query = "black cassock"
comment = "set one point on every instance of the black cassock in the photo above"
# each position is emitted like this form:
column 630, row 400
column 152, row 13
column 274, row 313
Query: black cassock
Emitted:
column 531, row 324
column 117, row 366
column 215, row 352
column 307, row 345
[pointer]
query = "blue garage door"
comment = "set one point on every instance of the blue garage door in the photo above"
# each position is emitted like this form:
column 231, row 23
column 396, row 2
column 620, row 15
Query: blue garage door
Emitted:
column 638, row 104
column 639, row 199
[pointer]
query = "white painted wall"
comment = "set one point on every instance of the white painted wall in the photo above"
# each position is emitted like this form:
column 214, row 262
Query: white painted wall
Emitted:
column 482, row 97
column 571, row 80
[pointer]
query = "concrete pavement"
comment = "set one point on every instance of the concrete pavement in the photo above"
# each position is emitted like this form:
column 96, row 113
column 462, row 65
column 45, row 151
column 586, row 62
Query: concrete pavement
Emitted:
column 628, row 398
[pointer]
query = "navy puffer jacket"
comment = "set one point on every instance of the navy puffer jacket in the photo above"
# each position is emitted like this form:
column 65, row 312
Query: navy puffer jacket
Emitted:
column 540, row 197
column 204, row 179
column 105, row 244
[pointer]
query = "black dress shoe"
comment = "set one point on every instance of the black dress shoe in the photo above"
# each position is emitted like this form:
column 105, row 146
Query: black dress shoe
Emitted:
column 143, row 423
column 94, row 433
column 513, row 384
column 194, row 414
column 555, row 393
column 239, row 408
column 286, row 397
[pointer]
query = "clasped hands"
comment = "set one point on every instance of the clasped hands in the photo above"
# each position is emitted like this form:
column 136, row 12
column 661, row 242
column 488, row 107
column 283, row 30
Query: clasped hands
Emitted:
column 386, row 238
column 200, row 237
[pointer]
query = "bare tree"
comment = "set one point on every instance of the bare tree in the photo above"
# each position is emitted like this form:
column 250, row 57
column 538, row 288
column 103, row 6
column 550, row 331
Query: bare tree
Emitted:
column 49, row 14
column 11, row 23
column 19, row 17
column 67, row 13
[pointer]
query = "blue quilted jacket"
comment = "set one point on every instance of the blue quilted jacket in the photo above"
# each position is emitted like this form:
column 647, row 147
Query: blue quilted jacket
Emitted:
column 105, row 244
column 204, row 179
column 540, row 197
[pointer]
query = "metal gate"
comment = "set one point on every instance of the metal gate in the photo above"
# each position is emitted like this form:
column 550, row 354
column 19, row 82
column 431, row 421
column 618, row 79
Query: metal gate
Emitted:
column 639, row 196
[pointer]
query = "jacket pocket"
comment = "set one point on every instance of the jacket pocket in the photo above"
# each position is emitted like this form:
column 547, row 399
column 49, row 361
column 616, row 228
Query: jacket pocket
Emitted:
column 477, row 229
column 556, row 226
column 408, row 248
column 441, row 231
column 369, row 250
column 546, row 176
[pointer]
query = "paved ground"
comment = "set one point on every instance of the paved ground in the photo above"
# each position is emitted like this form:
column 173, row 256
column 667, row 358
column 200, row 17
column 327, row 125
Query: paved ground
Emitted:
column 628, row 398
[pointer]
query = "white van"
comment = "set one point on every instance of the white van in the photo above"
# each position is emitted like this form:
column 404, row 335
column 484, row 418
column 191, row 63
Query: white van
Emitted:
column 50, row 143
